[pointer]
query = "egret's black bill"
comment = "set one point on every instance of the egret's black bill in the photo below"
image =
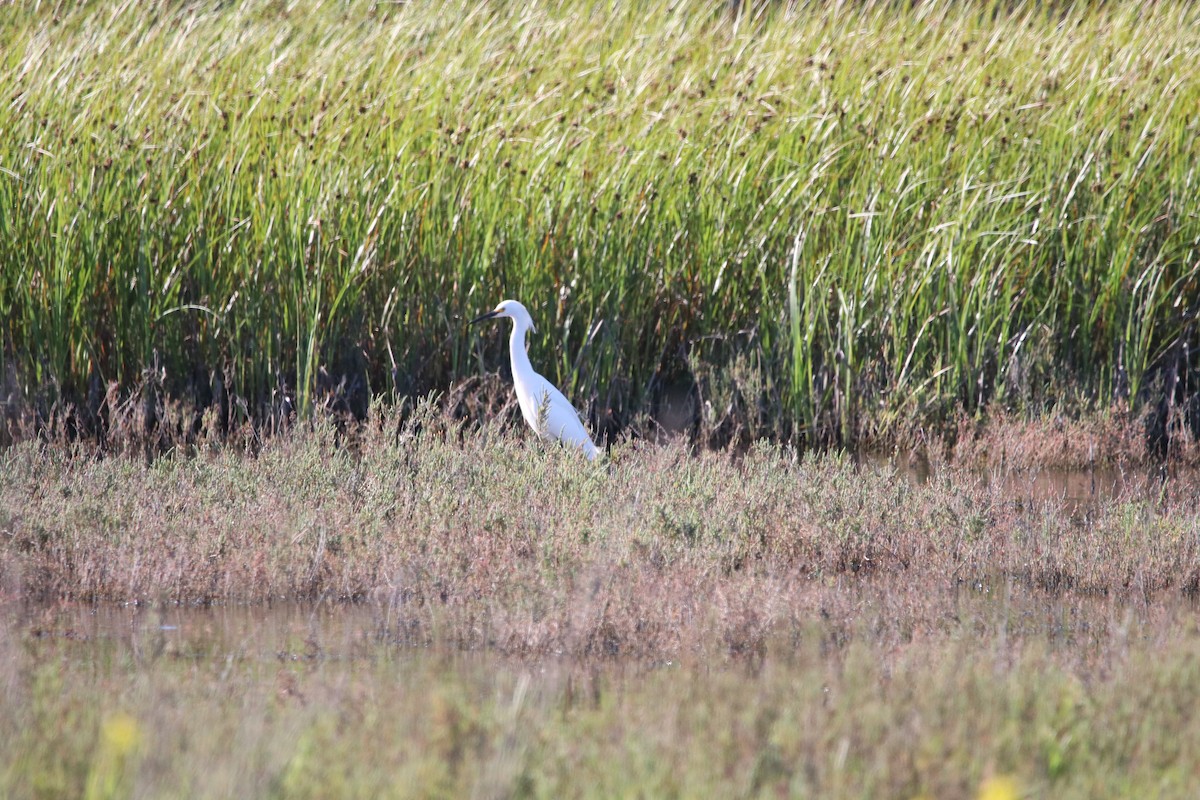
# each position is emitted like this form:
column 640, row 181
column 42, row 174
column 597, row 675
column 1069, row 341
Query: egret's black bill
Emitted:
column 482, row 317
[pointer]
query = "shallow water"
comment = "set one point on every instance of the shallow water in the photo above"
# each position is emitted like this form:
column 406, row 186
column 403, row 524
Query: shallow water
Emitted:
column 1075, row 489
column 875, row 612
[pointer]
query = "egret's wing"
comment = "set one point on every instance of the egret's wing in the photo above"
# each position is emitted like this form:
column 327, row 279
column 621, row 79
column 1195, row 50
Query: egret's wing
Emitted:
column 559, row 419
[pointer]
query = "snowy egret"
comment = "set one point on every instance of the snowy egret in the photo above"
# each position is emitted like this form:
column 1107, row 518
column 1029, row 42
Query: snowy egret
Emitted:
column 544, row 407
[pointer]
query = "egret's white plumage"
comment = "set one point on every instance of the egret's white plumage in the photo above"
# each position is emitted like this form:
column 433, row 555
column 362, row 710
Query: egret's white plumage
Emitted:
column 543, row 406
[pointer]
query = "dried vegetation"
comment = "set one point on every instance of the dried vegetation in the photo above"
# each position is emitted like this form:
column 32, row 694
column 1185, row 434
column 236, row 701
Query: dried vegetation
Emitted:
column 481, row 537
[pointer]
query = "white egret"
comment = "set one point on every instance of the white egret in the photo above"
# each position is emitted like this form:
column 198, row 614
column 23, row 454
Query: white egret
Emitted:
column 544, row 407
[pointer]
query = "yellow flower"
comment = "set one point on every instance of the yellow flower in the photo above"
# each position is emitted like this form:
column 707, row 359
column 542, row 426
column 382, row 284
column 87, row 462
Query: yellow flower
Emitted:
column 121, row 734
column 111, row 774
column 999, row 788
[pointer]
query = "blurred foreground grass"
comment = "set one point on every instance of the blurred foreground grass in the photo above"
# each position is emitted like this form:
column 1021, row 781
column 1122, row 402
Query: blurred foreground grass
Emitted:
column 1082, row 703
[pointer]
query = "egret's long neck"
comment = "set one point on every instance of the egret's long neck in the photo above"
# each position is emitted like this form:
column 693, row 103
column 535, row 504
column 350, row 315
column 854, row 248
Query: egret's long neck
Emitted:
column 516, row 349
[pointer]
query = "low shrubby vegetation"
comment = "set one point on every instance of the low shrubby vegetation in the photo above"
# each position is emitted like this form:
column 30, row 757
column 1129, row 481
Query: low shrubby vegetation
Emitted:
column 480, row 537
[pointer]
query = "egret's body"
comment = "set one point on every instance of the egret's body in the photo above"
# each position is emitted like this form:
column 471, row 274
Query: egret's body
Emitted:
column 543, row 406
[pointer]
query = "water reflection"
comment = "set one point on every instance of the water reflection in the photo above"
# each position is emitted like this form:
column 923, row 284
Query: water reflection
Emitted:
column 874, row 612
column 1076, row 489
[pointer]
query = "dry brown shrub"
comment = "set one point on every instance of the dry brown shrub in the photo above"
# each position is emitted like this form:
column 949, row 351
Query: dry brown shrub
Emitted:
column 481, row 537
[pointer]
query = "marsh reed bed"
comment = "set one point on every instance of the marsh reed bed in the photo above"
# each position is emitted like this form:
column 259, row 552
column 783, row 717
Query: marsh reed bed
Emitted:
column 838, row 220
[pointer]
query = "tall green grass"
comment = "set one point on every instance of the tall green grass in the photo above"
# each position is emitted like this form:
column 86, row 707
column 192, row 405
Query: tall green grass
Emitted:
column 843, row 218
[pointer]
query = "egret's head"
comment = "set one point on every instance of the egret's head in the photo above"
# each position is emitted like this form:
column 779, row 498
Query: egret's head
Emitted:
column 511, row 309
